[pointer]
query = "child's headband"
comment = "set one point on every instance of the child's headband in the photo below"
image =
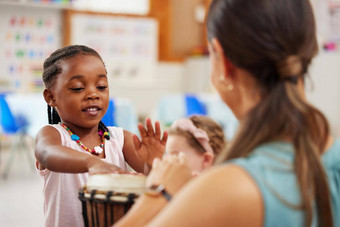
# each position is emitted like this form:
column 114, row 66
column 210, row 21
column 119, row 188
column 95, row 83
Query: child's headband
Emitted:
column 201, row 136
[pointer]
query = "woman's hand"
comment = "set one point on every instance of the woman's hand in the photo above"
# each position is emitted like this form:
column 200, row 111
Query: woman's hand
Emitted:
column 173, row 172
column 151, row 145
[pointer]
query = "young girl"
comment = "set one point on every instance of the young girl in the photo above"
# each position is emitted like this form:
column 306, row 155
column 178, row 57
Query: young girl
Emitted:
column 77, row 141
column 199, row 137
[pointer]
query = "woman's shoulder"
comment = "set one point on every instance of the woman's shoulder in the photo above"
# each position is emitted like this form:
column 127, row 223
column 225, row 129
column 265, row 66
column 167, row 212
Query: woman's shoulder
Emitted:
column 233, row 192
column 238, row 186
column 271, row 166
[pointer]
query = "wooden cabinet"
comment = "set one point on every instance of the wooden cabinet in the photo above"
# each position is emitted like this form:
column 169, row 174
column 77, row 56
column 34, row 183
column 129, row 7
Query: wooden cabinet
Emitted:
column 179, row 31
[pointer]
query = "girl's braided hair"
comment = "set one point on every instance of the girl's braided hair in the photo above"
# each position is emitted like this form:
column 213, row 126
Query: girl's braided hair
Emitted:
column 52, row 68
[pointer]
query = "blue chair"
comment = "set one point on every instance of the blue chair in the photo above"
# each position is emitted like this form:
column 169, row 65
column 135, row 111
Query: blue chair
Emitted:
column 174, row 106
column 109, row 117
column 15, row 126
column 194, row 105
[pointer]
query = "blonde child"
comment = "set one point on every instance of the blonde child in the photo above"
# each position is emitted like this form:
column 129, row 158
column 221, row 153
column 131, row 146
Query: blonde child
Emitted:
column 199, row 137
column 77, row 143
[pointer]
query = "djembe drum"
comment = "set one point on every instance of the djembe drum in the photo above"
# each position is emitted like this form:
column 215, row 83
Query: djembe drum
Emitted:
column 107, row 197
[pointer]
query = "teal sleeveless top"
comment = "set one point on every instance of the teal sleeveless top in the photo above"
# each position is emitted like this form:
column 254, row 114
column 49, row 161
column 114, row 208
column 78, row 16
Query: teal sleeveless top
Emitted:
column 271, row 167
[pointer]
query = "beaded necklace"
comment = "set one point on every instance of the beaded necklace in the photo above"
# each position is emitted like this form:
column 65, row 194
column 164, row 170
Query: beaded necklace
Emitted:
column 96, row 150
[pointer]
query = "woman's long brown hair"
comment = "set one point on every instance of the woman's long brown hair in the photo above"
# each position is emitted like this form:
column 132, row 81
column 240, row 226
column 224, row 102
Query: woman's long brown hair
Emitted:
column 257, row 36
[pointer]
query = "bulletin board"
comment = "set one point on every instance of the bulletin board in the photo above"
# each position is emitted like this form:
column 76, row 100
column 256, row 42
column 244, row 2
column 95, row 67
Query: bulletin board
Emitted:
column 29, row 35
column 327, row 15
column 128, row 45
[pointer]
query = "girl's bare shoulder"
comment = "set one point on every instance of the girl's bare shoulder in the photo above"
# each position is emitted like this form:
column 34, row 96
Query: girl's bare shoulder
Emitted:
column 48, row 132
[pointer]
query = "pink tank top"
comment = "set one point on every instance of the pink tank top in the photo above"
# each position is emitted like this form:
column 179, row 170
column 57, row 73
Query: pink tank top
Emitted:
column 61, row 204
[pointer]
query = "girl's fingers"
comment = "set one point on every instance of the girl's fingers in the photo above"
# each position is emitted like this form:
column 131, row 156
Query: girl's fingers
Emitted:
column 142, row 131
column 157, row 131
column 165, row 138
column 149, row 127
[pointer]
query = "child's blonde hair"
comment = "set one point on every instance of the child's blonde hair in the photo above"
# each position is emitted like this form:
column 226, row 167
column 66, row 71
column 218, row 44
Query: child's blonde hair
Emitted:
column 214, row 131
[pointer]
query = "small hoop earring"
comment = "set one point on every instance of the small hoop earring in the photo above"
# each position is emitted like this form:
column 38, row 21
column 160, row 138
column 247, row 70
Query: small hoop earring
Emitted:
column 228, row 87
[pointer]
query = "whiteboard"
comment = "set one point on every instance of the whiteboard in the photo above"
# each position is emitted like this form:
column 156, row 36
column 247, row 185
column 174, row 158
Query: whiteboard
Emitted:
column 136, row 7
column 128, row 45
column 327, row 16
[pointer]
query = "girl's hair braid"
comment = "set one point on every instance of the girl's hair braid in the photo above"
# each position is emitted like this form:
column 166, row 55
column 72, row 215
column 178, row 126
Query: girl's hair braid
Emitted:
column 53, row 116
column 103, row 127
column 52, row 64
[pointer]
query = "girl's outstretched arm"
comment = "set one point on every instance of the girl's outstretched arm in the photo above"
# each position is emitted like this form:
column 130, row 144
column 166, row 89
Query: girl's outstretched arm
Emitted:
column 140, row 154
column 52, row 155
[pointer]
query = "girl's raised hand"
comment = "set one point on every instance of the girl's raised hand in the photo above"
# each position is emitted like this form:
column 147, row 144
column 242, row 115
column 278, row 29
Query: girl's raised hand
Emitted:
column 151, row 145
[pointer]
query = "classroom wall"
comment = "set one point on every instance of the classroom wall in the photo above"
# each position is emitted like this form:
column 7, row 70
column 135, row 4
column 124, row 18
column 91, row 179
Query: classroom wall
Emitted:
column 189, row 76
column 167, row 80
column 28, row 35
column 154, row 79
column 323, row 89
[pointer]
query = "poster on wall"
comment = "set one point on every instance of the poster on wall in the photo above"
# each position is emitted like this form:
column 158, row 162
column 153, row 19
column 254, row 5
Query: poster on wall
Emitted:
column 29, row 36
column 128, row 45
column 327, row 15
column 335, row 20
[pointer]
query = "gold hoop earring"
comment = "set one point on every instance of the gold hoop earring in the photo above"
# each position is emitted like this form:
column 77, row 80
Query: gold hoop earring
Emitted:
column 228, row 87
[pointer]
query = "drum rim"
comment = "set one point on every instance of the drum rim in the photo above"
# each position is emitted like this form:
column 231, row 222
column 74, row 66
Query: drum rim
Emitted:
column 107, row 196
